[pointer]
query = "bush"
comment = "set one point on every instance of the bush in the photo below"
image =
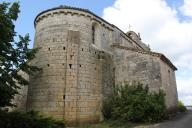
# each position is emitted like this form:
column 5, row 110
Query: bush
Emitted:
column 181, row 107
column 107, row 108
column 135, row 103
column 29, row 119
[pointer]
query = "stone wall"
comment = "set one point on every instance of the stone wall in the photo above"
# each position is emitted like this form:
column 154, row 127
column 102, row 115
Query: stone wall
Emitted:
column 134, row 66
column 108, row 74
column 169, row 85
column 20, row 99
column 149, row 69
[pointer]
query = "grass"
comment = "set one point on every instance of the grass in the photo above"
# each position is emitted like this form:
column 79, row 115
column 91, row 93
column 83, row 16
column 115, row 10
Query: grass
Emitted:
column 110, row 124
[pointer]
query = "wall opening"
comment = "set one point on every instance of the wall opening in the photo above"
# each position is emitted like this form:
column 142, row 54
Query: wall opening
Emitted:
column 93, row 34
column 96, row 34
column 70, row 66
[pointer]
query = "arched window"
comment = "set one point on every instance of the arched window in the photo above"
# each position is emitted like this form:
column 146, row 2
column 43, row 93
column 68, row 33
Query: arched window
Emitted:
column 93, row 34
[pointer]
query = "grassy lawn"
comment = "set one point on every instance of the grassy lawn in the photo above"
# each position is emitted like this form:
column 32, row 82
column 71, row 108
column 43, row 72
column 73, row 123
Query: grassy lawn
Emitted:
column 110, row 124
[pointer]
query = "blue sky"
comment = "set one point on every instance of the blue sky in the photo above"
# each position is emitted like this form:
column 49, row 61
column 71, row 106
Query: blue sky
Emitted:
column 164, row 24
column 30, row 8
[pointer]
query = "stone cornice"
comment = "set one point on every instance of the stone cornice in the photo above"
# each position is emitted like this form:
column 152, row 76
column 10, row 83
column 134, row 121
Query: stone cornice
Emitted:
column 159, row 55
column 69, row 10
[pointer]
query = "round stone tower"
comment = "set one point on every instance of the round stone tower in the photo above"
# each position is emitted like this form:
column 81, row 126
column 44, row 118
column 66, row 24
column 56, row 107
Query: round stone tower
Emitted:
column 69, row 86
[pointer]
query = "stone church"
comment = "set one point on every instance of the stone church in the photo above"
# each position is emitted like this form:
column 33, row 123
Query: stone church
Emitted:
column 82, row 57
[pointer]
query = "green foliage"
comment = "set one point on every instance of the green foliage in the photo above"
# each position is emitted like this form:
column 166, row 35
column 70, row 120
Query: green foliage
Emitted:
column 13, row 55
column 29, row 119
column 107, row 108
column 181, row 107
column 135, row 103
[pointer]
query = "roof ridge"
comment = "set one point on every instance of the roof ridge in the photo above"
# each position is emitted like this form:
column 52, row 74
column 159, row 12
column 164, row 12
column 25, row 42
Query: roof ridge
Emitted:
column 71, row 7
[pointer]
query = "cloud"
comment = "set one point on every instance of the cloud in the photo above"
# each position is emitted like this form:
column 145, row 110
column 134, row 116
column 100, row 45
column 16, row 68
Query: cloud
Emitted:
column 160, row 27
column 185, row 91
column 186, row 9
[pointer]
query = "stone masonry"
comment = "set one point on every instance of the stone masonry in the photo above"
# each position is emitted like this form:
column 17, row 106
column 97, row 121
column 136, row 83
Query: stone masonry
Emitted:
column 83, row 57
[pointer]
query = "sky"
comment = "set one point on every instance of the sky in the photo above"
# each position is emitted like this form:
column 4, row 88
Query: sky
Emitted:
column 163, row 24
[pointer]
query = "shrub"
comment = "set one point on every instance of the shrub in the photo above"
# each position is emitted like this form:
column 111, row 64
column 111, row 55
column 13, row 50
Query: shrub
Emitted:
column 29, row 119
column 181, row 107
column 135, row 103
column 107, row 108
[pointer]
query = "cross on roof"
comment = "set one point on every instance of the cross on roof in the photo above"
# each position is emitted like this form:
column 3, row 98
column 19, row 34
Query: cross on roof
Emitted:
column 130, row 27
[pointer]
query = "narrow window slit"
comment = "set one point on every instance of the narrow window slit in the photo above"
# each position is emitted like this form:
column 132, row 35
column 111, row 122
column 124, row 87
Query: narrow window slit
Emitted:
column 93, row 34
column 70, row 66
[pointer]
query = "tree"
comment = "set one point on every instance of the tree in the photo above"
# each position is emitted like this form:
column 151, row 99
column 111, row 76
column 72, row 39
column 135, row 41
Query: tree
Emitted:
column 14, row 55
column 133, row 102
